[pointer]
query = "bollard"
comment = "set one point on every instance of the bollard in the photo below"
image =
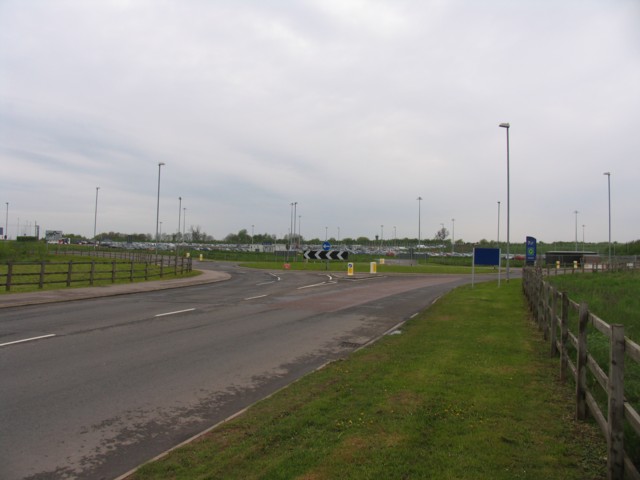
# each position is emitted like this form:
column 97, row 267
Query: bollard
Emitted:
column 373, row 267
column 350, row 269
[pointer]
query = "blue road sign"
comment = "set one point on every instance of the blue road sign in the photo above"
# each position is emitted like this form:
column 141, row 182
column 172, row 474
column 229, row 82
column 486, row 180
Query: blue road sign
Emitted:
column 531, row 250
column 486, row 256
column 326, row 246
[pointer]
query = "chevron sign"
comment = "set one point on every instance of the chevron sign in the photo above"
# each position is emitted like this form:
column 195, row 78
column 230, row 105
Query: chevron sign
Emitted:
column 325, row 255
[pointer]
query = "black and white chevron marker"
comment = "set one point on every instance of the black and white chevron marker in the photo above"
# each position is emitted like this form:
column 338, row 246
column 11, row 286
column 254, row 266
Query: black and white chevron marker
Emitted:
column 326, row 255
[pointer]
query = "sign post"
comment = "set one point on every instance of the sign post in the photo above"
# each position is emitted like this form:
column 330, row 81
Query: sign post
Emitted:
column 531, row 251
column 485, row 256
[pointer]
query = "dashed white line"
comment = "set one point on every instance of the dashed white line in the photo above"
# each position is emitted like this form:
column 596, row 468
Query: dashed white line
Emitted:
column 173, row 313
column 317, row 285
column 253, row 298
column 27, row 340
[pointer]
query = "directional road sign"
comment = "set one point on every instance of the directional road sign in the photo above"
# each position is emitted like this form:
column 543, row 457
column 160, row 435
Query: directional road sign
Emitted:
column 326, row 255
column 326, row 246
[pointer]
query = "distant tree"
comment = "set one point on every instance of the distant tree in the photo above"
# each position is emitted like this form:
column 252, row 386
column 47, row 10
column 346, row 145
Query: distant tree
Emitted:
column 363, row 241
column 442, row 234
column 197, row 235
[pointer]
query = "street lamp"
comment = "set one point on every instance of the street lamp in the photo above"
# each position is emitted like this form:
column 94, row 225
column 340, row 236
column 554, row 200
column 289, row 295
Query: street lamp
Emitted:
column 184, row 221
column 419, row 219
column 158, row 206
column 179, row 216
column 608, row 174
column 6, row 224
column 295, row 212
column 583, row 225
column 252, row 227
column 576, row 238
column 95, row 216
column 453, row 233
column 498, row 223
column 507, row 126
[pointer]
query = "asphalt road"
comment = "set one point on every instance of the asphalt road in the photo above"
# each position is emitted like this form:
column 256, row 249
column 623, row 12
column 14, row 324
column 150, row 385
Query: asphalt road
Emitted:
column 102, row 385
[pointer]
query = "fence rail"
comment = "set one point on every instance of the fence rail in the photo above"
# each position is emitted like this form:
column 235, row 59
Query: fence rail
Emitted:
column 551, row 310
column 91, row 272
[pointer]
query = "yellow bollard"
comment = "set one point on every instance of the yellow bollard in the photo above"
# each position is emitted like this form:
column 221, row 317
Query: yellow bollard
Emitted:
column 350, row 269
column 373, row 267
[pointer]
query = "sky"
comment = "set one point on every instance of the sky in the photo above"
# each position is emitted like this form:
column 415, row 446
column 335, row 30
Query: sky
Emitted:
column 353, row 109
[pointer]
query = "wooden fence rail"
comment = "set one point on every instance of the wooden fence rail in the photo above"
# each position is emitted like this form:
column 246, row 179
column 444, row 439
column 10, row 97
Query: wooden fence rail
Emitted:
column 552, row 310
column 90, row 272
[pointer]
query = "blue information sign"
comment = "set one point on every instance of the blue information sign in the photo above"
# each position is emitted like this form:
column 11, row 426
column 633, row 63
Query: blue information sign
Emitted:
column 531, row 250
column 326, row 246
column 486, row 256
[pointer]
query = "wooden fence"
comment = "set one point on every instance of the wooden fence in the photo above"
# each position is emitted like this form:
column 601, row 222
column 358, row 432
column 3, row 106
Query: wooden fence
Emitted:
column 89, row 273
column 552, row 311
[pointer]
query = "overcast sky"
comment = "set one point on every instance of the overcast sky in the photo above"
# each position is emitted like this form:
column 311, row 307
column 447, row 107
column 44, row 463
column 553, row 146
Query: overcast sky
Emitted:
column 351, row 108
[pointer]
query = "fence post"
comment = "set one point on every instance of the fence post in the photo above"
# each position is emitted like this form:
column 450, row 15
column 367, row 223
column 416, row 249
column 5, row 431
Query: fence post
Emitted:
column 564, row 337
column 581, row 364
column 131, row 272
column 146, row 270
column 41, row 280
column 546, row 305
column 69, row 273
column 161, row 266
column 113, row 271
column 553, row 329
column 9, row 276
column 615, row 420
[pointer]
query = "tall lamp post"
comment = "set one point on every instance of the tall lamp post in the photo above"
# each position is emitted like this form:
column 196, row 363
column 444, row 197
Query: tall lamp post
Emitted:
column 608, row 174
column 498, row 223
column 179, row 217
column 576, row 214
column 158, row 207
column 6, row 223
column 95, row 216
column 453, row 233
column 507, row 126
column 419, row 221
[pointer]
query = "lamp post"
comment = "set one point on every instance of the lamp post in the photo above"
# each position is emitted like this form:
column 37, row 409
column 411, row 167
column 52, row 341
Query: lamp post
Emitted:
column 583, row 225
column 507, row 126
column 184, row 221
column 6, row 223
column 95, row 216
column 498, row 223
column 576, row 231
column 158, row 206
column 295, row 212
column 419, row 221
column 252, row 227
column 326, row 233
column 179, row 216
column 608, row 174
column 453, row 234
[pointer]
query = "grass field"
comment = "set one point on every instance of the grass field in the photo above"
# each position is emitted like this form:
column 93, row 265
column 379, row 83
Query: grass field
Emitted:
column 465, row 391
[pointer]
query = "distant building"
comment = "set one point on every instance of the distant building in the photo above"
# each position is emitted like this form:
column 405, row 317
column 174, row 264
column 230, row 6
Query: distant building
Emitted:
column 566, row 258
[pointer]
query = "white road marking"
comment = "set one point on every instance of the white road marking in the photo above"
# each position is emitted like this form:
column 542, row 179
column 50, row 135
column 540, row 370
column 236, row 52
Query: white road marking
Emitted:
column 276, row 279
column 173, row 313
column 316, row 285
column 27, row 340
column 253, row 298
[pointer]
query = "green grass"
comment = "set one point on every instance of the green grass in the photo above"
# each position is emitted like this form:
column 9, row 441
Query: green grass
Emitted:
column 57, row 267
column 615, row 298
column 466, row 391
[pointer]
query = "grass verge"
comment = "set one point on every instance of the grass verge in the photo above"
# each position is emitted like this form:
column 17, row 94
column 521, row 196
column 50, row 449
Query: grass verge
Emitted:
column 466, row 391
